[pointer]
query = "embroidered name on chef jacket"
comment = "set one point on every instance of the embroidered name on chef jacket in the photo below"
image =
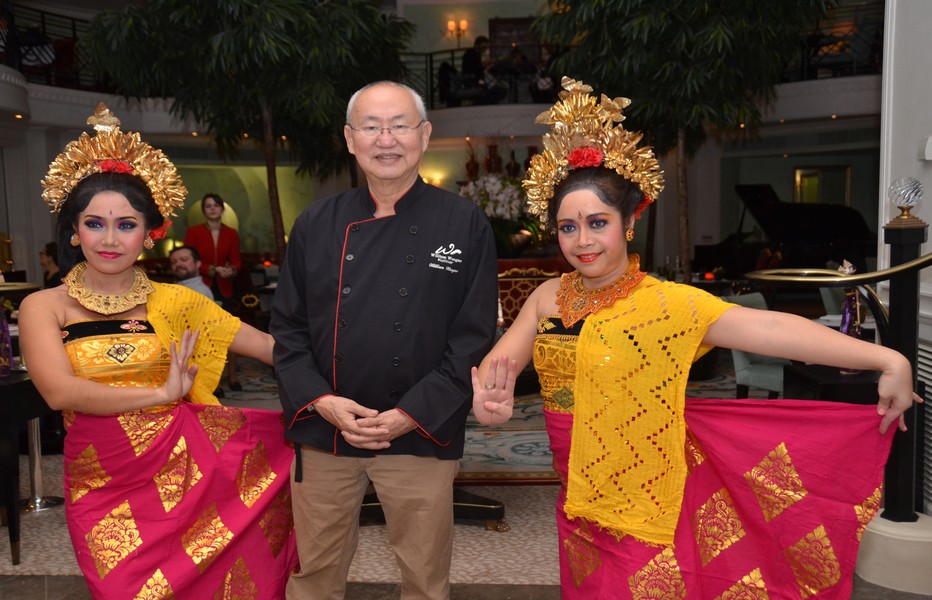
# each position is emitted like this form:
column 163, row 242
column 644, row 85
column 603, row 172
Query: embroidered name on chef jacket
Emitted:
column 445, row 258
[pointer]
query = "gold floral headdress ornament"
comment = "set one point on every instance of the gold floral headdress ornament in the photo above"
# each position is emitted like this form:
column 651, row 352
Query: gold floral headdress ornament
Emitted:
column 112, row 150
column 583, row 133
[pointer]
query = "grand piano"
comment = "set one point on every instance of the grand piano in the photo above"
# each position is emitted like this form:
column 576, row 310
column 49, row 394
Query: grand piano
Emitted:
column 797, row 236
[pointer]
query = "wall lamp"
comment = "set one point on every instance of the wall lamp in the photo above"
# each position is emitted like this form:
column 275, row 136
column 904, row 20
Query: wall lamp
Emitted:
column 457, row 29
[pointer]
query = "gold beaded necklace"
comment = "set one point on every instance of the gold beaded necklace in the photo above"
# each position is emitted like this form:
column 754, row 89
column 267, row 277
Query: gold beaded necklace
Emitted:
column 104, row 304
column 575, row 302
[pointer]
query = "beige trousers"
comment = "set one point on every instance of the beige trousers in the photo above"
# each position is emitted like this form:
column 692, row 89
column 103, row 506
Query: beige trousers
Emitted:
column 416, row 494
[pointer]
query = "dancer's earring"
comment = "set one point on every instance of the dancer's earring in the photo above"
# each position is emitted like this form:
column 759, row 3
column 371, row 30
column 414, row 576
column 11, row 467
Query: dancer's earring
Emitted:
column 148, row 244
column 75, row 240
column 629, row 233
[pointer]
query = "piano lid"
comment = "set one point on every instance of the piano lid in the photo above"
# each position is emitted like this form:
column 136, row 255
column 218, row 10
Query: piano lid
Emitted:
column 793, row 222
column 806, row 236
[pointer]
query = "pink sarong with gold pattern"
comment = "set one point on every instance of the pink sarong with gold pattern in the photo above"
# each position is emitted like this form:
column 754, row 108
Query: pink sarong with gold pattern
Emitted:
column 774, row 506
column 664, row 497
column 177, row 501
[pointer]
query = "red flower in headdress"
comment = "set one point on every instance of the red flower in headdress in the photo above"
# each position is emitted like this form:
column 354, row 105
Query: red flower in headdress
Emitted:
column 115, row 166
column 644, row 203
column 585, row 157
column 158, row 233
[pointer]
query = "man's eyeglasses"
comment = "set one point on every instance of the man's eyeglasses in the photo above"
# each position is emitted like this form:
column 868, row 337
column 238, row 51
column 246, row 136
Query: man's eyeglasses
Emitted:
column 373, row 131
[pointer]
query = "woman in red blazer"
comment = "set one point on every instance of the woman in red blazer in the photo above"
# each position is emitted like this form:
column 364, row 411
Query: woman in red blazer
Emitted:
column 218, row 246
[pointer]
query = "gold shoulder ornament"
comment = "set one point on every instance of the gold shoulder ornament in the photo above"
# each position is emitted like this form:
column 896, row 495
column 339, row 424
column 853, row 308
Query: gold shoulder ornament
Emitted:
column 585, row 132
column 112, row 150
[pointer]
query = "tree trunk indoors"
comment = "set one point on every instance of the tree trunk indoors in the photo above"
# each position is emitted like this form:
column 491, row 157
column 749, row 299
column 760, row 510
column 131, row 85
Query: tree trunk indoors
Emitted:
column 271, row 145
column 682, row 190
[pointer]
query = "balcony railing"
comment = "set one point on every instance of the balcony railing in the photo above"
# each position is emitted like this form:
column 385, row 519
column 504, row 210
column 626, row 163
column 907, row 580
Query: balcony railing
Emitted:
column 848, row 41
column 44, row 47
column 511, row 78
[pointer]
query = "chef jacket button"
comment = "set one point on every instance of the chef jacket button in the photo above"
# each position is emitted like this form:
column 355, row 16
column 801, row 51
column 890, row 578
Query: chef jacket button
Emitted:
column 409, row 259
column 338, row 356
column 350, row 257
column 403, row 292
column 413, row 229
column 397, row 326
column 396, row 361
column 354, row 228
column 346, row 290
column 341, row 323
column 394, row 395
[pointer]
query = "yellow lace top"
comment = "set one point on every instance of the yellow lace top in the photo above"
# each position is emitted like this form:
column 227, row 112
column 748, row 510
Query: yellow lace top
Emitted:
column 123, row 352
column 629, row 367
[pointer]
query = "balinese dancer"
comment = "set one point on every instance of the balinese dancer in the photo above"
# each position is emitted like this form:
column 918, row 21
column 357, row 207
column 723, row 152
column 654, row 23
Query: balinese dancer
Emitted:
column 168, row 494
column 664, row 497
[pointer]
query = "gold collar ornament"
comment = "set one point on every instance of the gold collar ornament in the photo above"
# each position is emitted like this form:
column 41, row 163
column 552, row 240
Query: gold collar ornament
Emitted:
column 112, row 150
column 574, row 302
column 103, row 304
column 583, row 133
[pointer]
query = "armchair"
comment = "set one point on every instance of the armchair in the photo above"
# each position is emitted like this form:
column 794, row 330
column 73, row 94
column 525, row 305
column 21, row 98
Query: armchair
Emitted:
column 756, row 370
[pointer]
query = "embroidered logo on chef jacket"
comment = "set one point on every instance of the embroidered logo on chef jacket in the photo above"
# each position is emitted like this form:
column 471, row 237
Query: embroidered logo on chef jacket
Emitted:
column 445, row 258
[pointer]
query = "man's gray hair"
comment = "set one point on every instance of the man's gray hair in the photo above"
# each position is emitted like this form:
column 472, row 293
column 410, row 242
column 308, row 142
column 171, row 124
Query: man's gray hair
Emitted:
column 418, row 101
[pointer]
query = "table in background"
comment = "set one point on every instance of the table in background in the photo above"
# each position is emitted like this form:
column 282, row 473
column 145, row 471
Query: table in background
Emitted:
column 818, row 382
column 17, row 290
column 19, row 402
column 717, row 287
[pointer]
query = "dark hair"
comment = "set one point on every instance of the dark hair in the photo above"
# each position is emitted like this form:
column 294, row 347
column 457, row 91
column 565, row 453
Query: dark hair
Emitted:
column 131, row 186
column 216, row 198
column 194, row 253
column 611, row 188
column 480, row 40
column 51, row 251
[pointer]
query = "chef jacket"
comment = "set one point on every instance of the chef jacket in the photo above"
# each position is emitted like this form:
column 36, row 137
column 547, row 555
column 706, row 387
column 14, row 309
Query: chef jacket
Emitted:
column 391, row 312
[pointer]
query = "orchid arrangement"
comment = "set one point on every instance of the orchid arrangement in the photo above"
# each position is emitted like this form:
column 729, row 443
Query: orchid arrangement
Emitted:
column 497, row 195
column 505, row 204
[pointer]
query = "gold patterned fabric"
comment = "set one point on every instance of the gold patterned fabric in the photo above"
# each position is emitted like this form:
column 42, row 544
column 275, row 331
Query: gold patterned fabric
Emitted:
column 814, row 563
column 762, row 511
column 659, row 578
column 717, row 525
column 187, row 500
column 113, row 539
column 776, row 483
column 156, row 587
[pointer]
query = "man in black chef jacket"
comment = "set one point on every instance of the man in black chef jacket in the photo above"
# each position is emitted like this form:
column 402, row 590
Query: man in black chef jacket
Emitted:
column 386, row 299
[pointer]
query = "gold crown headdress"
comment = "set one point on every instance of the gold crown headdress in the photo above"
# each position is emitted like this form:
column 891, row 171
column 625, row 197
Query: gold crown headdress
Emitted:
column 583, row 134
column 112, row 150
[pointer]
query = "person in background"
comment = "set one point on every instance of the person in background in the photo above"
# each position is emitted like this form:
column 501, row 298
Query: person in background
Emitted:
column 186, row 264
column 663, row 496
column 218, row 245
column 167, row 492
column 475, row 72
column 543, row 86
column 386, row 295
column 48, row 259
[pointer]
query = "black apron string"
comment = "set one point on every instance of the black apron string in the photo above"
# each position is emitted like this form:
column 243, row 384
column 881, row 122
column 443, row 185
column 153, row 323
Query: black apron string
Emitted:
column 297, row 463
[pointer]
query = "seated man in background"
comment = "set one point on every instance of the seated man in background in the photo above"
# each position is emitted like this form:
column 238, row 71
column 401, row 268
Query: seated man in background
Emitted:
column 185, row 264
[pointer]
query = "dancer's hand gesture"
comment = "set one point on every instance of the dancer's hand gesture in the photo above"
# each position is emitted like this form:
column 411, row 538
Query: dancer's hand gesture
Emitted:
column 493, row 401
